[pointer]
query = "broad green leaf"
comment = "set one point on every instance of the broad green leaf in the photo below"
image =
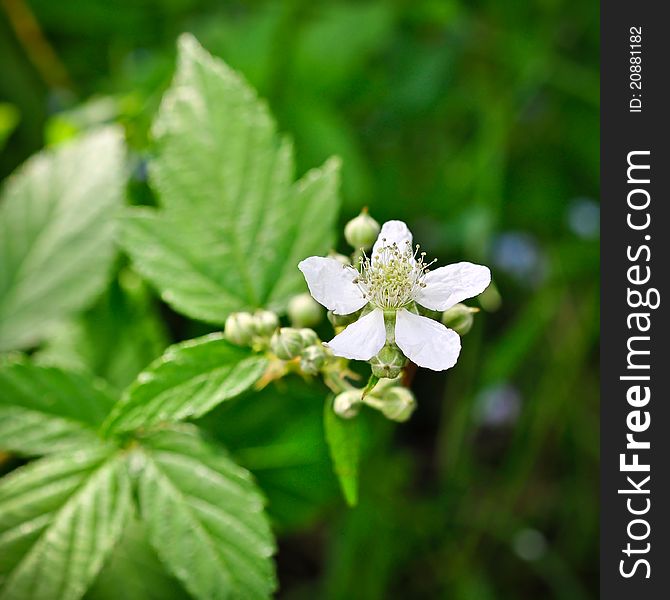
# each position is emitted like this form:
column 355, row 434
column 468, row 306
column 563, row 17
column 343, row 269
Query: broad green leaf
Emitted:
column 134, row 571
column 44, row 410
column 204, row 517
column 189, row 379
column 344, row 441
column 115, row 339
column 233, row 224
column 60, row 517
column 57, row 222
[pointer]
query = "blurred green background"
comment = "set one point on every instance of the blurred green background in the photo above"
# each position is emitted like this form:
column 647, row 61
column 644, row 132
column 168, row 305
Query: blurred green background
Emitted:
column 475, row 122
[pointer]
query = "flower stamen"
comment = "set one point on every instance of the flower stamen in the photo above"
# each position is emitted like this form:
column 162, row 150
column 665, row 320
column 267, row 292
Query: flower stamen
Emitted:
column 393, row 276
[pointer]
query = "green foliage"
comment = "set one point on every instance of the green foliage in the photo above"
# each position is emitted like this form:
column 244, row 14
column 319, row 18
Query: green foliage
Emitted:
column 134, row 571
column 344, row 442
column 233, row 224
column 44, row 410
column 189, row 379
column 60, row 517
column 204, row 517
column 115, row 339
column 57, row 245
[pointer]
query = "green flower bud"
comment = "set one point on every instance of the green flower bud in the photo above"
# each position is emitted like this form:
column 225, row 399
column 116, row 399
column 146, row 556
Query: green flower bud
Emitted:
column 342, row 320
column 398, row 404
column 388, row 363
column 347, row 404
column 265, row 322
column 459, row 318
column 313, row 358
column 287, row 343
column 309, row 337
column 304, row 311
column 240, row 328
column 361, row 231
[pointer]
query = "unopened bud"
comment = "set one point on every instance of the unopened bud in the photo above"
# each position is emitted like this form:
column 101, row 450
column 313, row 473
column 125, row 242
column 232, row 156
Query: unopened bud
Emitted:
column 304, row 311
column 459, row 318
column 347, row 404
column 313, row 358
column 388, row 363
column 240, row 328
column 265, row 322
column 308, row 336
column 361, row 231
column 398, row 404
column 287, row 343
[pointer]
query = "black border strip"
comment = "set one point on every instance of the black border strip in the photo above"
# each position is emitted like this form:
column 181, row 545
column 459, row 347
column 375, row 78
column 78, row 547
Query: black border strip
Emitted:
column 634, row 109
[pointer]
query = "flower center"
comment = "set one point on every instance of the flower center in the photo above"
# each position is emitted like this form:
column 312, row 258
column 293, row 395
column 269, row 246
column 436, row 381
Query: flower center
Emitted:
column 393, row 276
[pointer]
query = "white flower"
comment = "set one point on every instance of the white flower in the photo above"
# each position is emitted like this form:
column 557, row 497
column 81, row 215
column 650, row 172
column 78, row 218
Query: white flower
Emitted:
column 390, row 282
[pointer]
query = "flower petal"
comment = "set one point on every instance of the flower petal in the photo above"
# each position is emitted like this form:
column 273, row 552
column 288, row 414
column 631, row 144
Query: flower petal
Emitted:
column 450, row 285
column 362, row 339
column 426, row 342
column 392, row 232
column 332, row 284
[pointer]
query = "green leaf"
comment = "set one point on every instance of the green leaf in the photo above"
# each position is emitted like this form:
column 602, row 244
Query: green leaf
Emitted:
column 189, row 380
column 60, row 517
column 45, row 410
column 115, row 339
column 134, row 571
column 56, row 234
column 344, row 440
column 204, row 517
column 233, row 224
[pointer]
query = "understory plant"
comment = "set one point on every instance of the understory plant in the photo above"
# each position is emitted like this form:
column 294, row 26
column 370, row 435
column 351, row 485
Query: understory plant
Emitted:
column 117, row 477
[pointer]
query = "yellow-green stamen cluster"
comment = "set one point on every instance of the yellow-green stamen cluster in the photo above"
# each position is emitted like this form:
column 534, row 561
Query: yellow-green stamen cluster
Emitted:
column 393, row 276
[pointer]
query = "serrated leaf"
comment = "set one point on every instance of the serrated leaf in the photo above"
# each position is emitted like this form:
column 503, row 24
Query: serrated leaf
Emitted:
column 204, row 516
column 115, row 339
column 56, row 234
column 344, row 441
column 44, row 410
column 59, row 520
column 233, row 224
column 189, row 380
column 134, row 571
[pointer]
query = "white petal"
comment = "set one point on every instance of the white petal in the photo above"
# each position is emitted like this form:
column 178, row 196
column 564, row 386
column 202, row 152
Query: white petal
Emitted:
column 332, row 284
column 362, row 339
column 426, row 342
column 450, row 285
column 392, row 232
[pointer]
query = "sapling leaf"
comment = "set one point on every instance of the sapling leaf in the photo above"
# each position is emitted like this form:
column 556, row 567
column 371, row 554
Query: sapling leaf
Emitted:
column 134, row 571
column 189, row 380
column 344, row 441
column 60, row 518
column 204, row 517
column 232, row 223
column 44, row 410
column 57, row 226
column 115, row 339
